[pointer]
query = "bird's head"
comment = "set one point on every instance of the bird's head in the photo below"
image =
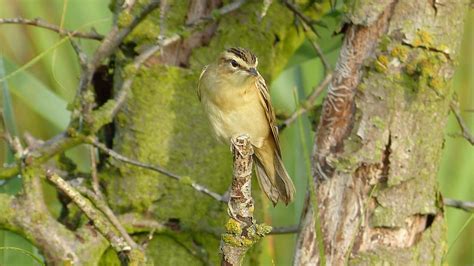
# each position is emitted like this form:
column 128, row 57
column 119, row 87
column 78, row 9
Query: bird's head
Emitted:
column 238, row 64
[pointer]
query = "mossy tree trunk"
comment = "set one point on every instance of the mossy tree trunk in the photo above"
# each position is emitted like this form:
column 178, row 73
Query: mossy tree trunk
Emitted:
column 381, row 136
column 162, row 122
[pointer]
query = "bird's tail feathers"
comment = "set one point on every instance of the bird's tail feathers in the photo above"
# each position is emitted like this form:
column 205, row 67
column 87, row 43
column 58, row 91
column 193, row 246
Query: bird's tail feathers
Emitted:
column 275, row 183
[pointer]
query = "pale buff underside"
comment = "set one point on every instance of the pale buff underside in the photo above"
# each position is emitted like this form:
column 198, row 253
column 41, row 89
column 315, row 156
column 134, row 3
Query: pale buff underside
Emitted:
column 234, row 111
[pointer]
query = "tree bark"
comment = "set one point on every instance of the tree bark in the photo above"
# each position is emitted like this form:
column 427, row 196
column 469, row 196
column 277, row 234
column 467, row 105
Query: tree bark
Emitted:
column 380, row 138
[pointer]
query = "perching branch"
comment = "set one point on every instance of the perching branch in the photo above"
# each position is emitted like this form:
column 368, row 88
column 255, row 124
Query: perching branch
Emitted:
column 183, row 179
column 242, row 231
column 466, row 133
column 40, row 23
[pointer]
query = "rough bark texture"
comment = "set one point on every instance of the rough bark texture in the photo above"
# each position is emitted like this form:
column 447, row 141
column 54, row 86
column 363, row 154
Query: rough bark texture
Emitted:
column 163, row 123
column 381, row 135
column 242, row 232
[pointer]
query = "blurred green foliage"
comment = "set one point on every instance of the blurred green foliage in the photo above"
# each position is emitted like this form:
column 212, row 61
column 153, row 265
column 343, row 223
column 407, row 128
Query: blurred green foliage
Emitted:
column 39, row 95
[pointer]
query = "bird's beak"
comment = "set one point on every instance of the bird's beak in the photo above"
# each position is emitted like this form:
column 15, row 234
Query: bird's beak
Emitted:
column 253, row 71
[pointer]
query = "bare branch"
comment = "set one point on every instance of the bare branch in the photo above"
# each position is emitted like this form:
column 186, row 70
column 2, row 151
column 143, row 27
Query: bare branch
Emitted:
column 309, row 103
column 40, row 23
column 183, row 179
column 293, row 229
column 115, row 36
column 467, row 206
column 219, row 12
column 465, row 129
column 95, row 178
column 80, row 54
column 308, row 24
column 138, row 224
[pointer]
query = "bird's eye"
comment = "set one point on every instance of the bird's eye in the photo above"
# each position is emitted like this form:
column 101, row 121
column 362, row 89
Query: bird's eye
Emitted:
column 234, row 63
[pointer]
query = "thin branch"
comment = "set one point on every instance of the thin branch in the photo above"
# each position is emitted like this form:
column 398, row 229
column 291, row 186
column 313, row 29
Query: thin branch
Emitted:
column 465, row 129
column 102, row 224
column 42, row 153
column 467, row 206
column 138, row 224
column 95, row 178
column 80, row 54
column 307, row 24
column 116, row 37
column 293, row 229
column 100, row 203
column 309, row 103
column 107, row 47
column 184, row 180
column 218, row 13
column 37, row 22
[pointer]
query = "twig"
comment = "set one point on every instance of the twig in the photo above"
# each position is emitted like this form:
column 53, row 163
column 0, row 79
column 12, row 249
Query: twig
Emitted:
column 242, row 231
column 102, row 225
column 309, row 103
column 307, row 24
column 219, row 12
column 115, row 37
column 100, row 203
column 467, row 206
column 80, row 54
column 108, row 46
column 37, row 22
column 95, row 178
column 465, row 129
column 184, row 180
column 136, row 223
column 285, row 230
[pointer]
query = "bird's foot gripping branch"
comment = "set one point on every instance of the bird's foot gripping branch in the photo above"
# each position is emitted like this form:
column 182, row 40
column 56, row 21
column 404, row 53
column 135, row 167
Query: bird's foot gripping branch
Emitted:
column 242, row 231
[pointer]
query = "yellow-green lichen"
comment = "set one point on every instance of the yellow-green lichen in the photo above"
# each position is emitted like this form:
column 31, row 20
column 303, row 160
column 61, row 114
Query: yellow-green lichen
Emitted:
column 436, row 83
column 381, row 64
column 124, row 19
column 233, row 227
column 237, row 241
column 400, row 52
column 378, row 122
column 263, row 229
column 423, row 38
column 103, row 115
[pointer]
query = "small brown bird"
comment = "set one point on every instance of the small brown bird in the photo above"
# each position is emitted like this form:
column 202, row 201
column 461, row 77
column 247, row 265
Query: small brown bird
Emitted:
column 237, row 102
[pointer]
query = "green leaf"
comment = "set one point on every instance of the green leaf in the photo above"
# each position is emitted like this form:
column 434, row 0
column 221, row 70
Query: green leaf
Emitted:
column 8, row 115
column 34, row 95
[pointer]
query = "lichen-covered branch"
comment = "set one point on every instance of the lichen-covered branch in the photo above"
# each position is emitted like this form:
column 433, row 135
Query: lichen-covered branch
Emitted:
column 242, row 231
column 100, row 222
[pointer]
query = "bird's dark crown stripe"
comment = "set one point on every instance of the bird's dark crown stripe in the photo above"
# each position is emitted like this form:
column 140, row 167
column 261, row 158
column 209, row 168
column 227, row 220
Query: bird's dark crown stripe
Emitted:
column 243, row 54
